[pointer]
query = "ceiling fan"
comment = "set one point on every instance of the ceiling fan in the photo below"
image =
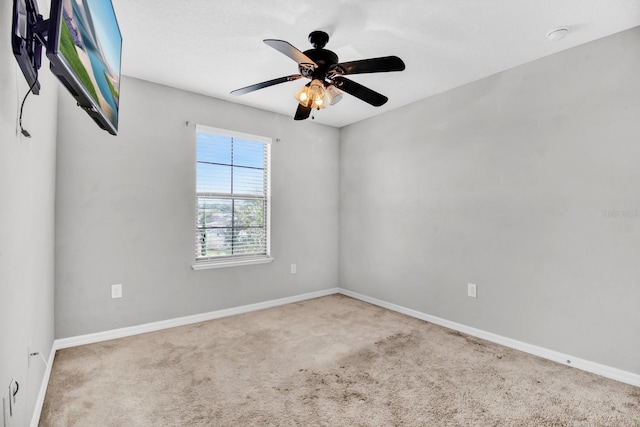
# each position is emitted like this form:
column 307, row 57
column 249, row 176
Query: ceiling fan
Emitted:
column 321, row 66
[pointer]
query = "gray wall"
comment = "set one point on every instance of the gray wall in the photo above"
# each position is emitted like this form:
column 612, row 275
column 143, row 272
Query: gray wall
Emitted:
column 27, row 189
column 504, row 183
column 125, row 211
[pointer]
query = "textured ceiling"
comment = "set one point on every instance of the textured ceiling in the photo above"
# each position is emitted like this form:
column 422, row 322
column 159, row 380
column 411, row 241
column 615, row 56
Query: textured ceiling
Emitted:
column 212, row 46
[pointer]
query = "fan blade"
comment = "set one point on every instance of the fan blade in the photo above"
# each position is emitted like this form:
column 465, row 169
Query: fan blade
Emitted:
column 359, row 91
column 268, row 83
column 302, row 112
column 289, row 50
column 373, row 65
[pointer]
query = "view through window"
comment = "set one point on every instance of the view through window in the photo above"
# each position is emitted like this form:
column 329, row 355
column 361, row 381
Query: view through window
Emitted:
column 232, row 188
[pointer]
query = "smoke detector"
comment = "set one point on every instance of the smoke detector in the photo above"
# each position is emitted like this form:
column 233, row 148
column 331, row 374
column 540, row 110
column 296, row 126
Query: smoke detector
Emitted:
column 558, row 34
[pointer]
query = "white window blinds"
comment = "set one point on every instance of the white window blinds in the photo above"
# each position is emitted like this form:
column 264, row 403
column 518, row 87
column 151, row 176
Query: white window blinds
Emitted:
column 232, row 188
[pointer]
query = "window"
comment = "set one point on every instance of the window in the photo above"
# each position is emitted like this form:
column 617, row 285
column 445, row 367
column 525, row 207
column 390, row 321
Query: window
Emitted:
column 232, row 192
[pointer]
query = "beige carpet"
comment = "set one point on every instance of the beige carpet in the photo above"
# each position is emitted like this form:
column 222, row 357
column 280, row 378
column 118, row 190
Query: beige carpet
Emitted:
column 332, row 361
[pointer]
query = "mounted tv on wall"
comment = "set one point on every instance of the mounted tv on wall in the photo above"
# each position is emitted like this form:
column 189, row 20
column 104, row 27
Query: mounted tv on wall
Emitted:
column 84, row 47
column 27, row 47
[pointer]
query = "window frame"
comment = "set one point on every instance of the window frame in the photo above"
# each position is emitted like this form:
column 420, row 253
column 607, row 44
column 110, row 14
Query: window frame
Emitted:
column 235, row 260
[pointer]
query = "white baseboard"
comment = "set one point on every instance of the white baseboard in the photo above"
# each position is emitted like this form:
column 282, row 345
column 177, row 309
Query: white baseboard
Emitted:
column 565, row 359
column 37, row 410
column 187, row 320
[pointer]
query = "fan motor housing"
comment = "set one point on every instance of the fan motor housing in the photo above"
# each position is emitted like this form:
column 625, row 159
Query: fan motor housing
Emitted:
column 325, row 59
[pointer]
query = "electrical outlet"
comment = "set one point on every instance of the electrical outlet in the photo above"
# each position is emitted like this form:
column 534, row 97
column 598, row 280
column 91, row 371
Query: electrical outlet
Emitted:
column 116, row 291
column 31, row 354
column 293, row 269
column 471, row 290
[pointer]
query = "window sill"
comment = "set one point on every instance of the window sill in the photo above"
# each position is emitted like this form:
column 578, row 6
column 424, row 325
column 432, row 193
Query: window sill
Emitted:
column 206, row 265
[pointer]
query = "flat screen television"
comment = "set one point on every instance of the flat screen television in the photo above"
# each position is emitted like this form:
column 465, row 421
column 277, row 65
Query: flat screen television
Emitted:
column 84, row 47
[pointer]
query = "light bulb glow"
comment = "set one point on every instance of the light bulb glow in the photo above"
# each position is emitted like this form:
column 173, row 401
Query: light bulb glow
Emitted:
column 313, row 95
column 302, row 96
column 316, row 94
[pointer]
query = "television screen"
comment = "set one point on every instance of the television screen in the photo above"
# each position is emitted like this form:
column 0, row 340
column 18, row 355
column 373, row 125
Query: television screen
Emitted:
column 26, row 47
column 84, row 47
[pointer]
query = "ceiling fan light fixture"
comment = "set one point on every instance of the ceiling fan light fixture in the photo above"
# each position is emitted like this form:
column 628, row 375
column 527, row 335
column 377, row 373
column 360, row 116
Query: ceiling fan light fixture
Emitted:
column 326, row 73
column 312, row 95
column 302, row 96
column 333, row 94
column 317, row 95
